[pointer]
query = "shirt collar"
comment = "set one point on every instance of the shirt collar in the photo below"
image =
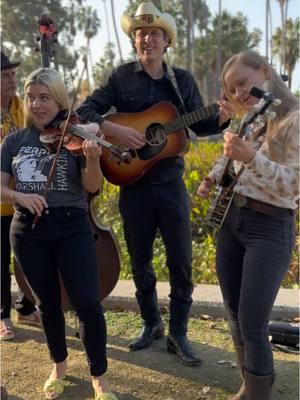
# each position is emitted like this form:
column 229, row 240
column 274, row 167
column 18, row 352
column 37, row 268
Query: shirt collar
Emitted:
column 139, row 68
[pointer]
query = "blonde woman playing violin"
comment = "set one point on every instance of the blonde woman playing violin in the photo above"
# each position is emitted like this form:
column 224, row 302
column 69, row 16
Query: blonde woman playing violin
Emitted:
column 61, row 242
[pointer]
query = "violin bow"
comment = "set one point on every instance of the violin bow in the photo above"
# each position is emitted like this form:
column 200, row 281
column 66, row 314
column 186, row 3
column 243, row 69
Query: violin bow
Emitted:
column 60, row 144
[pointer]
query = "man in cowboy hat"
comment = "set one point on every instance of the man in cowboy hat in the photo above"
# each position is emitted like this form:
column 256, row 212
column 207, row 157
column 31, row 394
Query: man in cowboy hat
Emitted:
column 12, row 118
column 158, row 200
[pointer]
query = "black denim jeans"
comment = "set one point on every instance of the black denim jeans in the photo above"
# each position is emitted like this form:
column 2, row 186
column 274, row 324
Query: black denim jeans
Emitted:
column 62, row 243
column 145, row 209
column 23, row 305
column 253, row 255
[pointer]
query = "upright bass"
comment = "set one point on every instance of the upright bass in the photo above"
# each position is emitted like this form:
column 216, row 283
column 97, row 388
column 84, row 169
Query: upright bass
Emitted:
column 107, row 248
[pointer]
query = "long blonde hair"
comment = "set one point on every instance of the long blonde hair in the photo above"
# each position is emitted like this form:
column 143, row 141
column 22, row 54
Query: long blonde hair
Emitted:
column 276, row 85
column 53, row 80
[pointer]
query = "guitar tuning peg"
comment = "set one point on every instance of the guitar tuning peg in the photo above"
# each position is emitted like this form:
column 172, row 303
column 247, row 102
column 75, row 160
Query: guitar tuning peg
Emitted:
column 38, row 38
column 276, row 102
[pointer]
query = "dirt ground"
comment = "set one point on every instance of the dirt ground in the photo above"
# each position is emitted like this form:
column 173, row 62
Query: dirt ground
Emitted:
column 151, row 374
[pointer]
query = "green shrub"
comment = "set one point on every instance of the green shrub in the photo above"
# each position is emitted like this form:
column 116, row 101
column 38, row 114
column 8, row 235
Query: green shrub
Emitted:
column 198, row 163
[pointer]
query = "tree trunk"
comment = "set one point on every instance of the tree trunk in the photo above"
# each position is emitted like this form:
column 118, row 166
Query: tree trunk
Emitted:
column 116, row 30
column 219, row 53
column 208, row 76
column 188, row 35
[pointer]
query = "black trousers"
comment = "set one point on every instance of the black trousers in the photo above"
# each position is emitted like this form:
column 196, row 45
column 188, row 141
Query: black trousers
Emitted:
column 145, row 209
column 23, row 305
column 253, row 254
column 62, row 243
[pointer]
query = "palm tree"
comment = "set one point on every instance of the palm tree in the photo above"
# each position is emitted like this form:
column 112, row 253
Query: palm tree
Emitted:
column 219, row 50
column 189, row 15
column 89, row 23
column 108, row 30
column 283, row 12
column 292, row 47
column 267, row 29
column 116, row 30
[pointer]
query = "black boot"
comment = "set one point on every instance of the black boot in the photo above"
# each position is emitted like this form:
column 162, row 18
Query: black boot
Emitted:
column 148, row 334
column 258, row 387
column 180, row 345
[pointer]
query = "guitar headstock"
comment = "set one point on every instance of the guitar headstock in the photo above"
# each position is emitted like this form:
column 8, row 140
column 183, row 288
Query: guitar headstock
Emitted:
column 47, row 39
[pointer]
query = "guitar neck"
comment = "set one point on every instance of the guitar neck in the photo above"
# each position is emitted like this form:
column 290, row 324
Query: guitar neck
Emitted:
column 191, row 118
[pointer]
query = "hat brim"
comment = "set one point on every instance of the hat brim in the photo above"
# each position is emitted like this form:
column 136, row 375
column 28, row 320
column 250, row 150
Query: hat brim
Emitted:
column 129, row 24
column 10, row 66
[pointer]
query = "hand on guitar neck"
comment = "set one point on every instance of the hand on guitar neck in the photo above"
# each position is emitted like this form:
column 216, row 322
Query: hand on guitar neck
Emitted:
column 225, row 111
column 206, row 186
column 238, row 149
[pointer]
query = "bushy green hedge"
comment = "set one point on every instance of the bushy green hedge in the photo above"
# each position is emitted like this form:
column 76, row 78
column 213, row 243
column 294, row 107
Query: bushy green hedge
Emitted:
column 198, row 161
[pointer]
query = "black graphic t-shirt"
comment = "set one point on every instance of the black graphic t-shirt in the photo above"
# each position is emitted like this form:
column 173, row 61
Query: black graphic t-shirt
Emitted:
column 24, row 156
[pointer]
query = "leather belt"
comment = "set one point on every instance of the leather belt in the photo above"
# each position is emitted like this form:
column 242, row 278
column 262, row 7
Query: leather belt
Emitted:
column 240, row 200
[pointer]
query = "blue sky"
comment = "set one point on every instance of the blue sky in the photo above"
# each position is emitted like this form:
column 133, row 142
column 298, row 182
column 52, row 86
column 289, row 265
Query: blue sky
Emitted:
column 253, row 9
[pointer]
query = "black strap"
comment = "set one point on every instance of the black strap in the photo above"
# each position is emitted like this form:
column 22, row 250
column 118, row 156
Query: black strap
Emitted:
column 176, row 88
column 189, row 132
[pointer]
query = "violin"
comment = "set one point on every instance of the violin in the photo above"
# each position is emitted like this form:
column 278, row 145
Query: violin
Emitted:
column 75, row 136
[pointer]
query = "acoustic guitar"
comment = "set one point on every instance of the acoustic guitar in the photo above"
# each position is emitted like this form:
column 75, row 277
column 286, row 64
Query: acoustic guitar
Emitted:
column 165, row 136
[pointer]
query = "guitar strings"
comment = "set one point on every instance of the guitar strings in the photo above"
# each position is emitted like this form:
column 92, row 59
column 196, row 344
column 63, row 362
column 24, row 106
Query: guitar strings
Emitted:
column 173, row 126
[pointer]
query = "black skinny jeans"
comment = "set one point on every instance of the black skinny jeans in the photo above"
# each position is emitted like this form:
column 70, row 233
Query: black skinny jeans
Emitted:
column 23, row 305
column 145, row 209
column 62, row 243
column 253, row 254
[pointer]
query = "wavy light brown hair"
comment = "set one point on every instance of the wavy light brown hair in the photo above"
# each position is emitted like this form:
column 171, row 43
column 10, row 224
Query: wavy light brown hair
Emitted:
column 276, row 85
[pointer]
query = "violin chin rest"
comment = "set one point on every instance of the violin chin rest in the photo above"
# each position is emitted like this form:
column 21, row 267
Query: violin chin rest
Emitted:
column 49, row 138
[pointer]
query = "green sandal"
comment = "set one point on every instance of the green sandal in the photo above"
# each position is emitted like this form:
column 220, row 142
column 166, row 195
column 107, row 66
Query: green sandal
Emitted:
column 53, row 388
column 105, row 396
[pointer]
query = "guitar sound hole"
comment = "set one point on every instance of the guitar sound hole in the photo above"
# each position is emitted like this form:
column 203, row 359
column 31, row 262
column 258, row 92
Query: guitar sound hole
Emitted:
column 155, row 135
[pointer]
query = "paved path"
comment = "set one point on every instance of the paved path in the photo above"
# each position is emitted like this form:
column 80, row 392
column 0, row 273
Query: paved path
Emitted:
column 207, row 299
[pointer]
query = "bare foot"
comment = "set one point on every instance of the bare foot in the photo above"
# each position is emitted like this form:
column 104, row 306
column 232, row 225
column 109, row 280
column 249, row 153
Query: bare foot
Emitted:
column 100, row 384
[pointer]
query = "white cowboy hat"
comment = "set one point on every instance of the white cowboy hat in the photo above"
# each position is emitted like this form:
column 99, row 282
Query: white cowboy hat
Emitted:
column 147, row 15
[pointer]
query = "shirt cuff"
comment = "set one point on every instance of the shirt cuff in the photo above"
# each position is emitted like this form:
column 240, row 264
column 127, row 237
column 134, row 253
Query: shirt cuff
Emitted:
column 257, row 162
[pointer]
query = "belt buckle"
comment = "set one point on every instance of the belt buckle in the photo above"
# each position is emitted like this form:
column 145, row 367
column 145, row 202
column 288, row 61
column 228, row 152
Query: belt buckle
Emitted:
column 240, row 200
